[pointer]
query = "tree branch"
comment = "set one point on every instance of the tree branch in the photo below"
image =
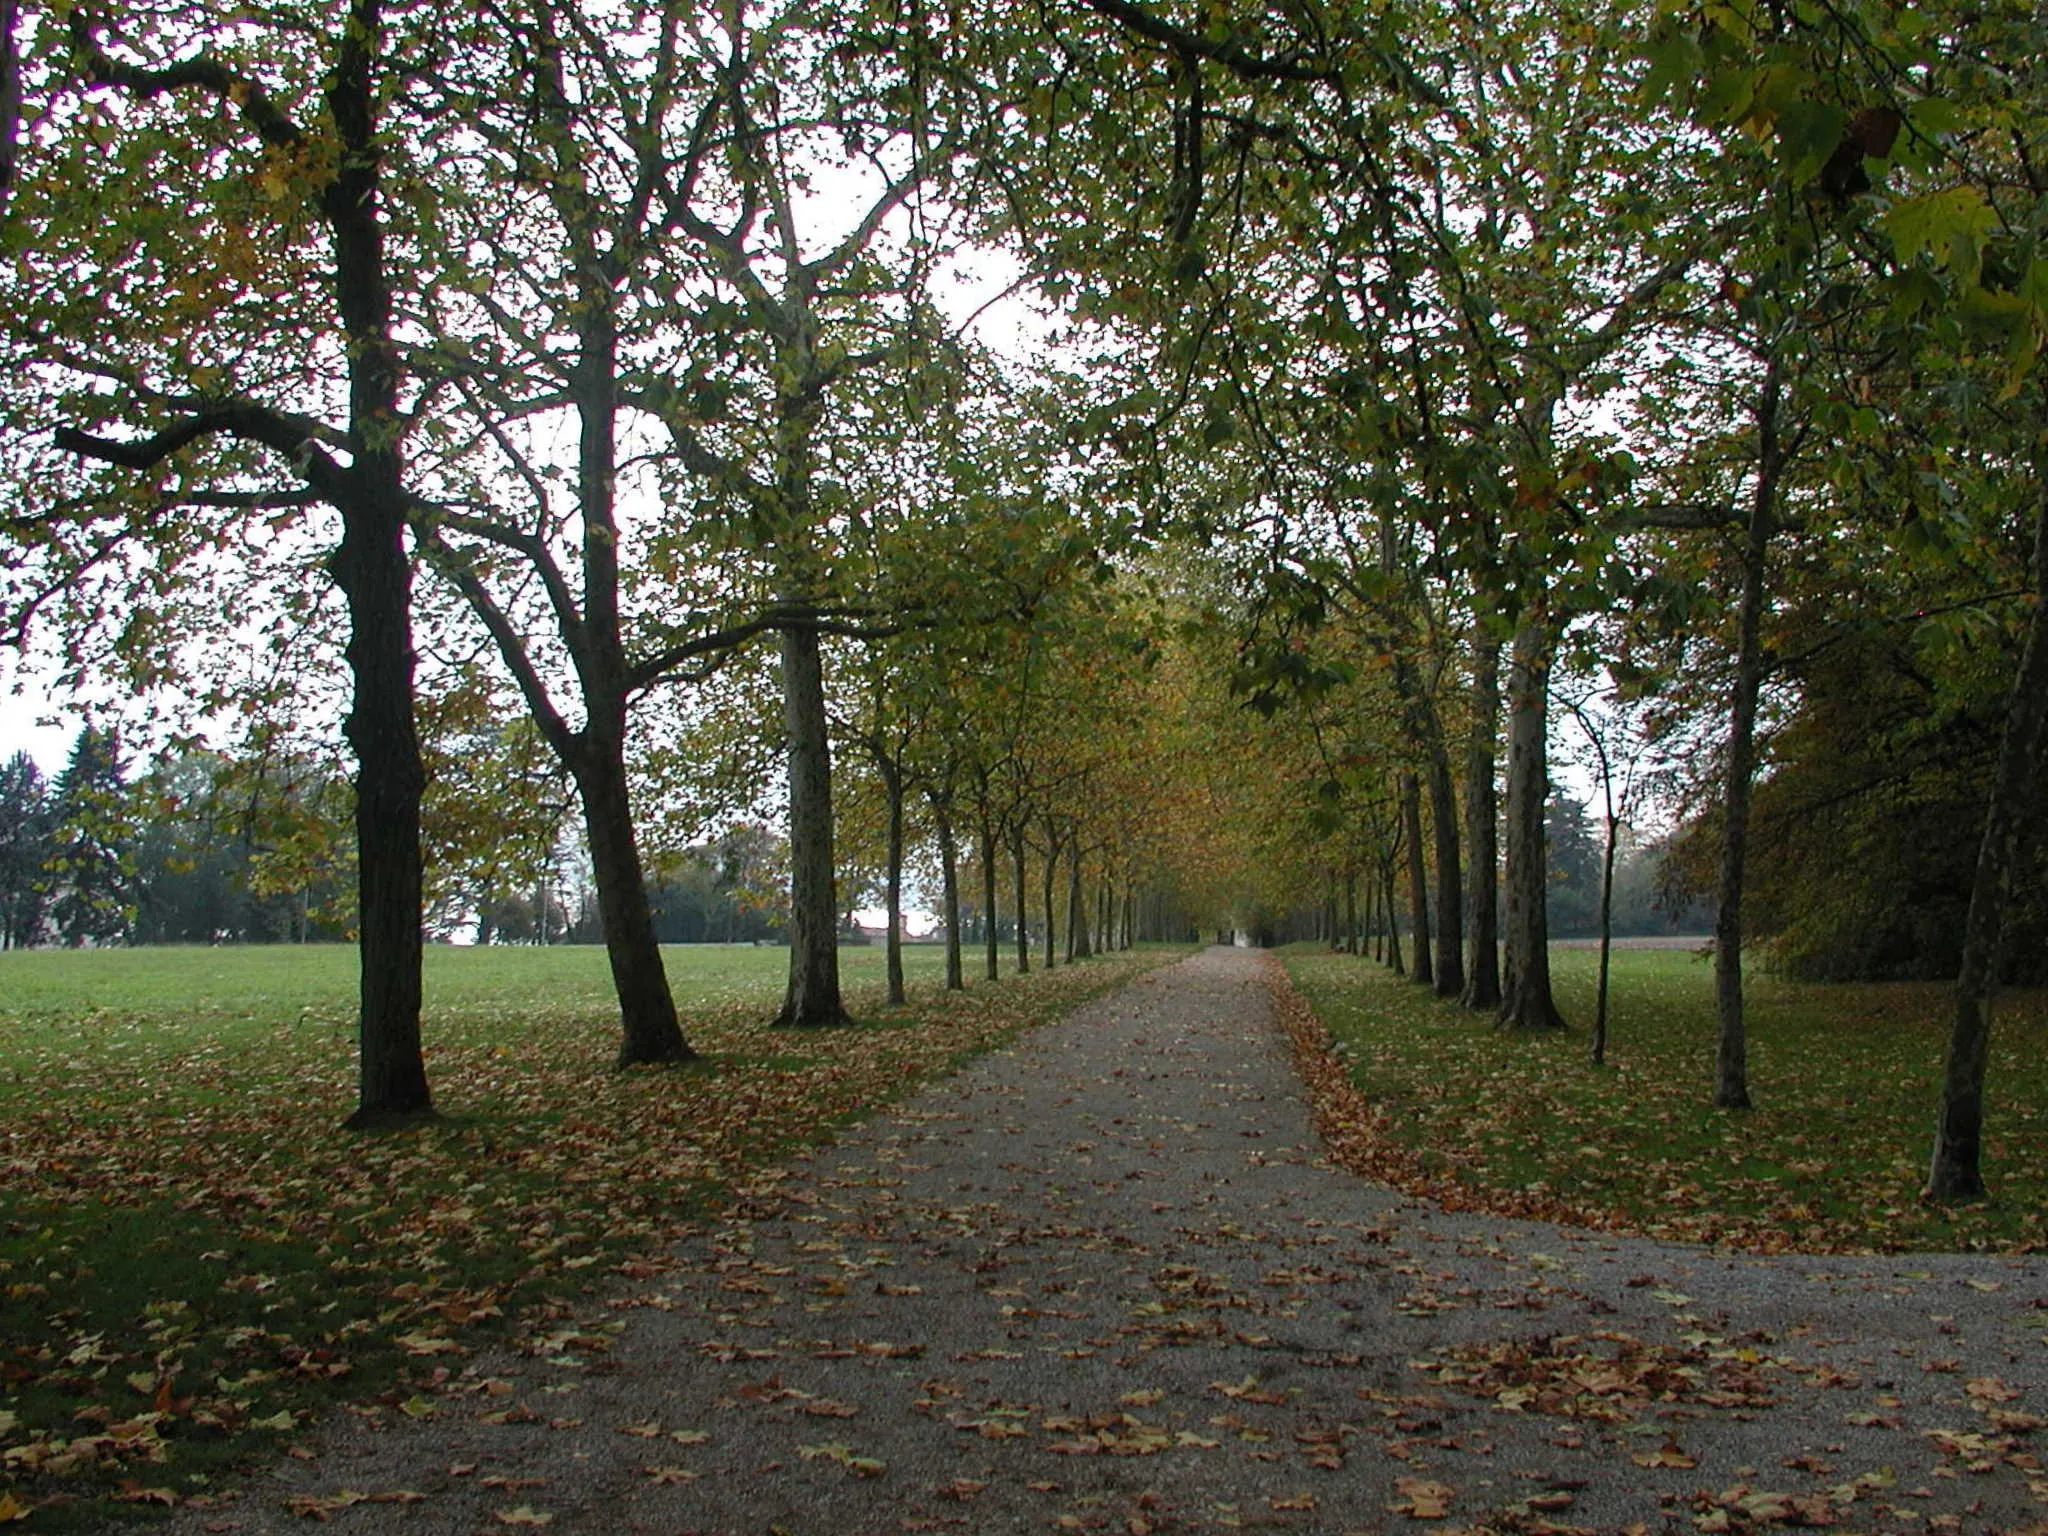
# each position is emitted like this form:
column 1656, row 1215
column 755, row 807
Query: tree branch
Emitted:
column 201, row 73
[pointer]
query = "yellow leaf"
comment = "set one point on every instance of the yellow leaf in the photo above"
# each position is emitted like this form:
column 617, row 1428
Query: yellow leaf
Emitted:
column 522, row 1514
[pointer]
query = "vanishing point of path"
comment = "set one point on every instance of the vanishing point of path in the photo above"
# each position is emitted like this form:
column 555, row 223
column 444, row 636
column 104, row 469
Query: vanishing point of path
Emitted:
column 1105, row 1280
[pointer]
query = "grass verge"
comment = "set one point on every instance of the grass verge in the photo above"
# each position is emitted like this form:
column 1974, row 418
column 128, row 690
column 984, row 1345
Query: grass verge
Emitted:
column 1845, row 1079
column 195, row 1259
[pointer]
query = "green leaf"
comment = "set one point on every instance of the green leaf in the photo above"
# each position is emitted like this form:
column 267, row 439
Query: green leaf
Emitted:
column 1808, row 132
column 1950, row 225
column 1676, row 61
column 1935, row 115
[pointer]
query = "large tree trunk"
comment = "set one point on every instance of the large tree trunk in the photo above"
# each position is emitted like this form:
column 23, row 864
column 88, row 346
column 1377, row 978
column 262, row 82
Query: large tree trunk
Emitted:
column 1418, row 879
column 949, row 888
column 1482, row 975
column 1450, row 889
column 813, row 996
column 1526, row 1002
column 1955, row 1170
column 375, row 576
column 892, row 785
column 650, row 1031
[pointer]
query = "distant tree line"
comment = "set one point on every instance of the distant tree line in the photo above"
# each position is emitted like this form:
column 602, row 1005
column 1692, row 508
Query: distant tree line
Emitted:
column 198, row 848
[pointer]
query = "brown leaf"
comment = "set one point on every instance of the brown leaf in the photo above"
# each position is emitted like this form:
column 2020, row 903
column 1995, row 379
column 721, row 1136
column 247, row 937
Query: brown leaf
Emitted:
column 1421, row 1499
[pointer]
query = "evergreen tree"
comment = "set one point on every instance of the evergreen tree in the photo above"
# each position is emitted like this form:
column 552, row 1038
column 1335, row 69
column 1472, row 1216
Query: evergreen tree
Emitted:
column 87, row 869
column 24, row 851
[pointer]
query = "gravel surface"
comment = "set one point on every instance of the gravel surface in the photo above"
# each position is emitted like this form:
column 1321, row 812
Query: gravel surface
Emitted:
column 1106, row 1280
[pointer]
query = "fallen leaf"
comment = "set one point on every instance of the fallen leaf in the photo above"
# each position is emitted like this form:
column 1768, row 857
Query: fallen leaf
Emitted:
column 1421, row 1499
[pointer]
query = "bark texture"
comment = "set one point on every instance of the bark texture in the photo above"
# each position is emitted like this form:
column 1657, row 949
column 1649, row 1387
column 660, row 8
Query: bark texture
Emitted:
column 892, row 784
column 949, row 888
column 813, row 997
column 1526, row 1001
column 1421, row 970
column 375, row 576
column 1482, row 819
column 650, row 1033
column 1450, row 888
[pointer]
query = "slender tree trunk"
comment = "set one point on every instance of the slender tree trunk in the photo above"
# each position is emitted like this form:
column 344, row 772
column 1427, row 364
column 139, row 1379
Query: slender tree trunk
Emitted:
column 1418, row 879
column 1052, row 867
column 650, row 1032
column 1387, row 906
column 813, row 997
column 1731, row 1058
column 1450, row 889
column 1955, row 1170
column 1077, row 910
column 892, row 786
column 1606, row 923
column 991, row 938
column 1482, row 975
column 1023, row 900
column 949, row 889
column 1350, row 911
column 1526, row 1002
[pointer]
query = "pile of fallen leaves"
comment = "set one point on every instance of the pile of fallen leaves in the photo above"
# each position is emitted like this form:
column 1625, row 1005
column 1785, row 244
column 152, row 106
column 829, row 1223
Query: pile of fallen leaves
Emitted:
column 194, row 1262
column 1435, row 1101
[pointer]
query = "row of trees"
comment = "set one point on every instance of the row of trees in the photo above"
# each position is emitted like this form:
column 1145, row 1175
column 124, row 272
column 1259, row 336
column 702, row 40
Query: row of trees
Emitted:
column 1413, row 374
column 1678, row 350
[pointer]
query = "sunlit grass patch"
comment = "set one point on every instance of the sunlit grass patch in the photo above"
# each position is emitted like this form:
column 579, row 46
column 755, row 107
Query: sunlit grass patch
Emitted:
column 1845, row 1080
column 195, row 1256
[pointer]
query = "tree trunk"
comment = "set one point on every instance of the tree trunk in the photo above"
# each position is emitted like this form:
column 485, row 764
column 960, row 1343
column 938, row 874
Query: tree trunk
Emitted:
column 892, row 785
column 650, row 1032
column 1450, row 889
column 1731, row 1057
column 1418, row 879
column 991, row 938
column 1350, row 911
column 949, row 889
column 1606, row 919
column 1393, row 922
column 1955, row 1169
column 1077, row 910
column 373, row 573
column 372, row 570
column 1052, row 869
column 1526, row 1002
column 813, row 997
column 1023, row 899
column 1482, row 975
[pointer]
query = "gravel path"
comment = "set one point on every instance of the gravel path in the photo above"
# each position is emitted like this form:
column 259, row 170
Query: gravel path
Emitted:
column 1104, row 1280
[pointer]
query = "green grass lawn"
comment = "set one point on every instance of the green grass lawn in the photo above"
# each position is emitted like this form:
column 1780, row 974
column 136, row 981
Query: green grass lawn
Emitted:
column 1844, row 1078
column 195, row 1257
